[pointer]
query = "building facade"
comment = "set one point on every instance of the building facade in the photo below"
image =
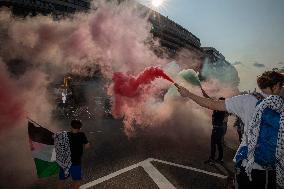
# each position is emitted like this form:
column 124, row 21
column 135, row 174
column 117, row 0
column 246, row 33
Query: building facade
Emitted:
column 45, row 7
column 171, row 34
column 212, row 54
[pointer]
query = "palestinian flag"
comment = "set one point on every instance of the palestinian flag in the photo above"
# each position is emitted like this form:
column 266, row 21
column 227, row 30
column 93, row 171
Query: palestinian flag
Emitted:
column 43, row 151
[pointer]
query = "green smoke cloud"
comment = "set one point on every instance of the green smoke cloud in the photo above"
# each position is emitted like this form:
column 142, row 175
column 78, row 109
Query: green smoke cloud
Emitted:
column 222, row 71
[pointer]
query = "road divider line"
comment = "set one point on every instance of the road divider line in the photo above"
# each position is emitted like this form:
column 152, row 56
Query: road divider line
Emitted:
column 153, row 172
column 156, row 176
column 105, row 178
column 191, row 168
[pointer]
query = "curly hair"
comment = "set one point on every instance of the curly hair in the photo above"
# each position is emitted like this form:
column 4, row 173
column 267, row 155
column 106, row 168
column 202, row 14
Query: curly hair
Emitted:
column 270, row 79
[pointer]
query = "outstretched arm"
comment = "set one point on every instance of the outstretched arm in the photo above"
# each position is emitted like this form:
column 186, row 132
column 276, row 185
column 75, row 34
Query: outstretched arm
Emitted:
column 204, row 102
column 204, row 93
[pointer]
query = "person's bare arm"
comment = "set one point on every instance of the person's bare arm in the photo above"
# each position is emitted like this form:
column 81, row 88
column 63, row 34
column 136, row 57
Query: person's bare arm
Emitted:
column 204, row 102
column 204, row 93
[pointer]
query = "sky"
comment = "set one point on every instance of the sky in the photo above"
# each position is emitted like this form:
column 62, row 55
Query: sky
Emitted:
column 249, row 33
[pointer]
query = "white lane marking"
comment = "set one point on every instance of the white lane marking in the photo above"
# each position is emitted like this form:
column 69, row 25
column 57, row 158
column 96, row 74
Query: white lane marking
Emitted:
column 156, row 176
column 105, row 178
column 191, row 168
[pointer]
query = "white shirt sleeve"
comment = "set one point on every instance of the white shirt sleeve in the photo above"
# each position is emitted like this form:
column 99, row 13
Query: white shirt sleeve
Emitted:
column 243, row 106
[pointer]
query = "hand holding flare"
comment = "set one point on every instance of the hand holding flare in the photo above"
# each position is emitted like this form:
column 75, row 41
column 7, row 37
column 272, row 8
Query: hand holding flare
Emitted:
column 183, row 91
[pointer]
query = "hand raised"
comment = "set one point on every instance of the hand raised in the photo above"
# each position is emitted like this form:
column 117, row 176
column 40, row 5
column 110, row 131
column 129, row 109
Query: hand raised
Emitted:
column 183, row 91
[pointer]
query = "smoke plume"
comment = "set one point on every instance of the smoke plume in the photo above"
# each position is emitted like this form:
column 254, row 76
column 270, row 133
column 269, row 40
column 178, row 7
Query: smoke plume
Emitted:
column 36, row 51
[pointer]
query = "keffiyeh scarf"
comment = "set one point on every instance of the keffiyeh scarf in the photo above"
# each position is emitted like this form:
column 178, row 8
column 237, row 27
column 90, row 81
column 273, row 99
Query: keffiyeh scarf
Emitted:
column 275, row 103
column 63, row 152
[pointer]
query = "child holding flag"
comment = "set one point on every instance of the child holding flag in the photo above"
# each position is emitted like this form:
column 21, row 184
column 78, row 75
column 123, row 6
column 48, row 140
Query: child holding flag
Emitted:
column 76, row 141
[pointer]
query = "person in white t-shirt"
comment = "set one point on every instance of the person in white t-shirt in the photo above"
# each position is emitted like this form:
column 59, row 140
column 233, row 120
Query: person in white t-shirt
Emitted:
column 244, row 106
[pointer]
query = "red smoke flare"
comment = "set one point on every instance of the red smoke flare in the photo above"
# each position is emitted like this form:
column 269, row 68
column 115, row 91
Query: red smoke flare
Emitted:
column 11, row 108
column 128, row 86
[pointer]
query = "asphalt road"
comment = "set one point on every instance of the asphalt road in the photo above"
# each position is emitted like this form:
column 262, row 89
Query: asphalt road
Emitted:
column 112, row 151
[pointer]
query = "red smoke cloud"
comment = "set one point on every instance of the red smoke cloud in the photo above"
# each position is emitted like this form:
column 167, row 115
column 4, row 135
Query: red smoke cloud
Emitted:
column 11, row 107
column 128, row 86
column 109, row 37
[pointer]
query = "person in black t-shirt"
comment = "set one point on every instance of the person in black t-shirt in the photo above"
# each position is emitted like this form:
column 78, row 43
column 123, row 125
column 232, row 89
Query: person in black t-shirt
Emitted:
column 78, row 142
column 239, row 125
column 219, row 120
